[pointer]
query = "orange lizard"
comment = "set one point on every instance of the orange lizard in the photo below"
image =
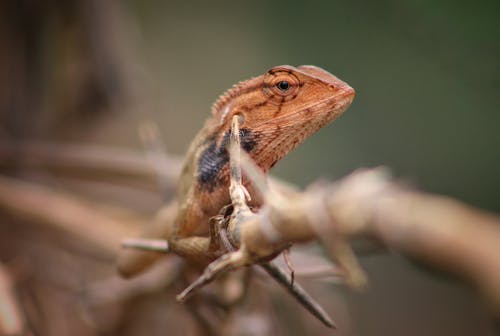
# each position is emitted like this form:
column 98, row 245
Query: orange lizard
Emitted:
column 278, row 111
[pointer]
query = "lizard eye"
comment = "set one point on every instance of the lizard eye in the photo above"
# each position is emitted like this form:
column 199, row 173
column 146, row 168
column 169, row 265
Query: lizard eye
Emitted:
column 283, row 85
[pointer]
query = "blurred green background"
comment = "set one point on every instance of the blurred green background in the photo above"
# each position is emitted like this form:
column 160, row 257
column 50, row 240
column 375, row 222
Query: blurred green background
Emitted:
column 427, row 77
column 426, row 73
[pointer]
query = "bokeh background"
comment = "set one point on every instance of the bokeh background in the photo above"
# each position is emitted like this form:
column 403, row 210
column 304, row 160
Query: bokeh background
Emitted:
column 426, row 73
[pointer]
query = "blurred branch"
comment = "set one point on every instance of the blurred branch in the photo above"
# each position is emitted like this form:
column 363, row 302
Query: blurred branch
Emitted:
column 116, row 289
column 12, row 321
column 94, row 162
column 64, row 61
column 90, row 222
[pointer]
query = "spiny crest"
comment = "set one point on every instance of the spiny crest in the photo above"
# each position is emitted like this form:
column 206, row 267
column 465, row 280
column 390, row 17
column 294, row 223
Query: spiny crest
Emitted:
column 228, row 95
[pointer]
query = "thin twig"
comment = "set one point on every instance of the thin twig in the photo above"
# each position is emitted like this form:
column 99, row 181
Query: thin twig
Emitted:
column 299, row 293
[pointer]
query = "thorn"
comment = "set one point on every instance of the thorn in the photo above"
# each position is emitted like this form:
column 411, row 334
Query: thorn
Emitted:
column 299, row 293
column 246, row 193
column 186, row 293
column 156, row 245
column 288, row 262
column 222, row 264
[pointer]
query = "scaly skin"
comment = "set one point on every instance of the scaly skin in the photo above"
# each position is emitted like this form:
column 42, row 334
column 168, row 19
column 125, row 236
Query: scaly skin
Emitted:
column 279, row 109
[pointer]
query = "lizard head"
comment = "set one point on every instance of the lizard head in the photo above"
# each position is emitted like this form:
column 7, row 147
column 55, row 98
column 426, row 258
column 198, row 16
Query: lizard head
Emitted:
column 282, row 108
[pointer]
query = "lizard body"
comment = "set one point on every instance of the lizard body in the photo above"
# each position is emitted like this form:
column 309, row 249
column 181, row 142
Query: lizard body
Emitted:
column 278, row 111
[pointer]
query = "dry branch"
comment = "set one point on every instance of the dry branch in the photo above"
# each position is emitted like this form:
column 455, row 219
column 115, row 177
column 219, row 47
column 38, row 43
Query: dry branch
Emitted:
column 436, row 230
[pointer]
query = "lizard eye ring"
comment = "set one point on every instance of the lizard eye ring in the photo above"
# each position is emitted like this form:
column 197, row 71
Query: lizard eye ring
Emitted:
column 281, row 84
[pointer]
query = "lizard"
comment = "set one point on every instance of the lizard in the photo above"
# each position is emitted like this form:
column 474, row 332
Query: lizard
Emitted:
column 275, row 112
column 278, row 110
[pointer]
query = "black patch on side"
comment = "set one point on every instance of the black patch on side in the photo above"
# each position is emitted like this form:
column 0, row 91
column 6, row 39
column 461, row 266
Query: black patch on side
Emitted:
column 248, row 139
column 214, row 158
